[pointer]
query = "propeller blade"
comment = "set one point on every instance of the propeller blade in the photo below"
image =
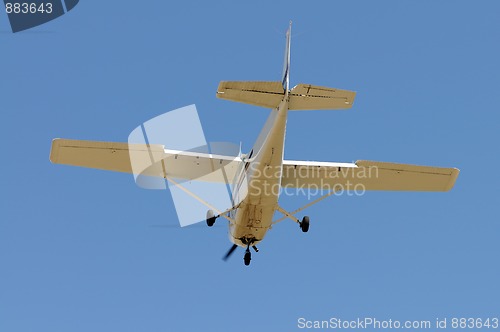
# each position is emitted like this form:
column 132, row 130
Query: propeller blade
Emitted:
column 230, row 251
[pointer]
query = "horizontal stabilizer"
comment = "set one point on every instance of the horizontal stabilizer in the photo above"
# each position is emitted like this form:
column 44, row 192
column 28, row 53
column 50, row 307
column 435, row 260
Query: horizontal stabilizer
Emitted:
column 310, row 97
column 264, row 94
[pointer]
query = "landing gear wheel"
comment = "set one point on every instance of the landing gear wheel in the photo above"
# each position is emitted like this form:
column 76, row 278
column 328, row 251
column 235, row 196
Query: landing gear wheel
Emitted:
column 210, row 218
column 247, row 258
column 304, row 225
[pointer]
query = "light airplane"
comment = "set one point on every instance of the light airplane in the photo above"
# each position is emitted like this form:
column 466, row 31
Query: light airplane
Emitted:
column 263, row 167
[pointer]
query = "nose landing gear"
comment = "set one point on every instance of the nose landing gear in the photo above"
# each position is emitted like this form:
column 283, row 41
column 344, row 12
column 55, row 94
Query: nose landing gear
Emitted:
column 248, row 257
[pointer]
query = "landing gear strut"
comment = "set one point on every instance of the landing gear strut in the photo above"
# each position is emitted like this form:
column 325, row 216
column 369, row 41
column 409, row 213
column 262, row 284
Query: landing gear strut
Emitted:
column 304, row 224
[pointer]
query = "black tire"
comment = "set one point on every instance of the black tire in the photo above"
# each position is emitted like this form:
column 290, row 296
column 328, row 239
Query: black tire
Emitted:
column 304, row 225
column 247, row 258
column 210, row 218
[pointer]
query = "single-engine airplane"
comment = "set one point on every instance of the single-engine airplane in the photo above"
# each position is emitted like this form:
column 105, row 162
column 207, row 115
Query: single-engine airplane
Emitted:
column 264, row 167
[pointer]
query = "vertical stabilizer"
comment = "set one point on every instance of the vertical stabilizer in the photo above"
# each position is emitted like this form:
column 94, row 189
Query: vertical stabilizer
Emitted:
column 285, row 80
column 300, row 97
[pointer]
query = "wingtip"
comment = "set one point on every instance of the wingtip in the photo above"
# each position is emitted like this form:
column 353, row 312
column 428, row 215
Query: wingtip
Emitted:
column 453, row 178
column 54, row 149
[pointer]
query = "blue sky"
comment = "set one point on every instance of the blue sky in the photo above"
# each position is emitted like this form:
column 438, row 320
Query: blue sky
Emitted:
column 77, row 248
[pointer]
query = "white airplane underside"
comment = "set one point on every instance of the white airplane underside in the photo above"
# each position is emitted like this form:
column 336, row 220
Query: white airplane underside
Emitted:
column 263, row 169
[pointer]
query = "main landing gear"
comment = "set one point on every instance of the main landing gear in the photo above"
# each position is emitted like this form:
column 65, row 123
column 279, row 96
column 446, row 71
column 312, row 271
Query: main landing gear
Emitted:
column 211, row 218
column 304, row 224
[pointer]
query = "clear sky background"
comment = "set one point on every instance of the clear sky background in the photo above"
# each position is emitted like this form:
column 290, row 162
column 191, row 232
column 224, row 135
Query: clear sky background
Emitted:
column 78, row 250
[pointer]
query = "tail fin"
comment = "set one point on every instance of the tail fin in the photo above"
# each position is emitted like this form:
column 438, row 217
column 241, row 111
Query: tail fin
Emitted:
column 285, row 78
column 265, row 94
column 300, row 97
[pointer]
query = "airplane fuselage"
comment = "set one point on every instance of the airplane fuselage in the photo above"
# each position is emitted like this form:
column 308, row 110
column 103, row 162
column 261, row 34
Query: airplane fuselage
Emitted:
column 262, row 171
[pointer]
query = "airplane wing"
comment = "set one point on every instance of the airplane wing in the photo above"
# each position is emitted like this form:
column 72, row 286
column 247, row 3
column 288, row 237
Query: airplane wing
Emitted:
column 152, row 160
column 366, row 175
